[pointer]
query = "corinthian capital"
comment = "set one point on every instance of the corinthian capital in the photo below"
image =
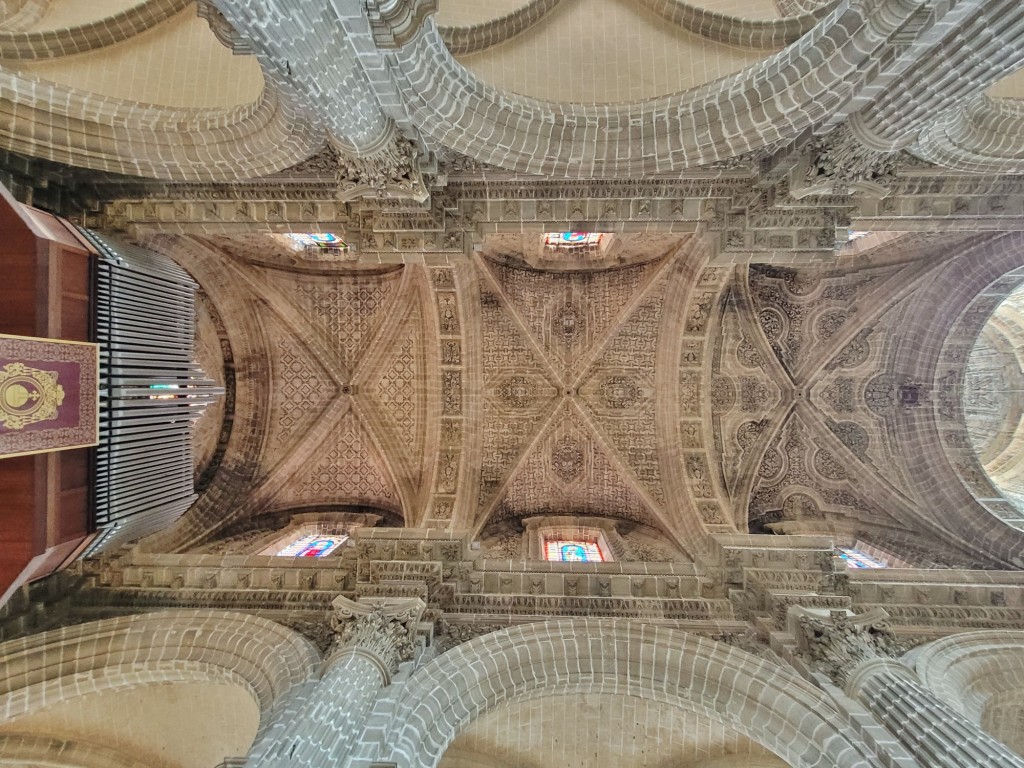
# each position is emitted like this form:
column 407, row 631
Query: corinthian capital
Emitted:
column 838, row 644
column 381, row 629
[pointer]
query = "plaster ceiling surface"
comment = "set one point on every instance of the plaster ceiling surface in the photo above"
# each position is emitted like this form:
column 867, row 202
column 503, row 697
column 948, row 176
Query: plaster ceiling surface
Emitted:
column 169, row 725
column 1009, row 87
column 72, row 13
column 600, row 731
column 605, row 51
column 178, row 63
column 467, row 12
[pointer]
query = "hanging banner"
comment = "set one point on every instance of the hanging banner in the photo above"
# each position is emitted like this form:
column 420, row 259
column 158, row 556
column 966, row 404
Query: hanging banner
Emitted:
column 49, row 395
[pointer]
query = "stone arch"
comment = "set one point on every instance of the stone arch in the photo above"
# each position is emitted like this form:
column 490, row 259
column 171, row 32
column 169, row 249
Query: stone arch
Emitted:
column 90, row 35
column 928, row 370
column 44, row 752
column 46, row 120
column 980, row 674
column 267, row 659
column 770, row 705
column 695, row 127
column 985, row 136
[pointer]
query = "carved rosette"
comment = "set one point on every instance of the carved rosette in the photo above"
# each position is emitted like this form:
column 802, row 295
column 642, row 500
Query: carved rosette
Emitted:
column 382, row 630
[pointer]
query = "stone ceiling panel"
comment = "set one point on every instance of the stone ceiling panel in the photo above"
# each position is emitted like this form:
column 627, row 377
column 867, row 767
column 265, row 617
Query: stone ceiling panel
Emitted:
column 348, row 468
column 569, row 472
column 619, row 391
column 569, row 314
column 519, row 394
column 397, row 393
column 745, row 397
column 346, row 311
column 301, row 387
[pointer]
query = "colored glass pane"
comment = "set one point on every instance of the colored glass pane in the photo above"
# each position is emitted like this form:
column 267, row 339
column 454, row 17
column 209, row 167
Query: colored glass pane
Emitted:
column 318, row 239
column 857, row 559
column 569, row 551
column 312, row 545
column 572, row 239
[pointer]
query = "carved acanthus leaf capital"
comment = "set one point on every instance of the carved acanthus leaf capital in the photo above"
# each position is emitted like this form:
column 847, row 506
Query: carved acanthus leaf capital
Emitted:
column 392, row 171
column 384, row 629
column 840, row 164
column 837, row 645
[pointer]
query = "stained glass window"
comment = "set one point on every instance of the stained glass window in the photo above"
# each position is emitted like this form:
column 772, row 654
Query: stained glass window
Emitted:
column 572, row 239
column 318, row 240
column 312, row 545
column 857, row 559
column 570, row 551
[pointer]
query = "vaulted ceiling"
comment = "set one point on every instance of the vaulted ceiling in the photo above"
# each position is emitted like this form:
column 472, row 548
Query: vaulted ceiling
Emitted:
column 639, row 384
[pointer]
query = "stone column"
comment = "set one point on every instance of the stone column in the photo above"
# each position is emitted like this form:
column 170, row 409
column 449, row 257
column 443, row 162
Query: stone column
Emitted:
column 934, row 732
column 373, row 638
column 857, row 653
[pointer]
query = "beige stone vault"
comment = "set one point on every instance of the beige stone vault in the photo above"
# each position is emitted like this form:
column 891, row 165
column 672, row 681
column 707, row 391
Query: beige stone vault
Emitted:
column 799, row 331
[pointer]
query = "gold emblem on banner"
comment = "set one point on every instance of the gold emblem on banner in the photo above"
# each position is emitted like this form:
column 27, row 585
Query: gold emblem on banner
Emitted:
column 28, row 395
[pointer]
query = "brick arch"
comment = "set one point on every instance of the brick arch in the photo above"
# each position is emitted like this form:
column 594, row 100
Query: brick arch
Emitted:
column 265, row 658
column 954, row 496
column 770, row 705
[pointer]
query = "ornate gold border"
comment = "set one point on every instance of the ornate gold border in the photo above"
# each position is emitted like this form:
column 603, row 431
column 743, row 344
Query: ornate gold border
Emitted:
column 82, row 395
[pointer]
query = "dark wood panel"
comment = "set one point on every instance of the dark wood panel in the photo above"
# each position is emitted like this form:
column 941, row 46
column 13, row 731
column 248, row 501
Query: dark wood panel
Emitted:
column 18, row 310
column 44, row 499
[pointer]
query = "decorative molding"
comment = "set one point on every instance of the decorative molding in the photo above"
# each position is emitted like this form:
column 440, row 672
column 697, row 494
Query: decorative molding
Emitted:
column 226, row 34
column 395, row 22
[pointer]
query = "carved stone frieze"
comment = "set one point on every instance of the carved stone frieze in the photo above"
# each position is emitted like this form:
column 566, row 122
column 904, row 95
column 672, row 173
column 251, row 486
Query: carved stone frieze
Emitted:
column 222, row 29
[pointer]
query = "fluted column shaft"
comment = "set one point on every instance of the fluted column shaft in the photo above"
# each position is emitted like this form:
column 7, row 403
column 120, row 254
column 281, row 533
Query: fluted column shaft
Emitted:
column 929, row 728
column 327, row 724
